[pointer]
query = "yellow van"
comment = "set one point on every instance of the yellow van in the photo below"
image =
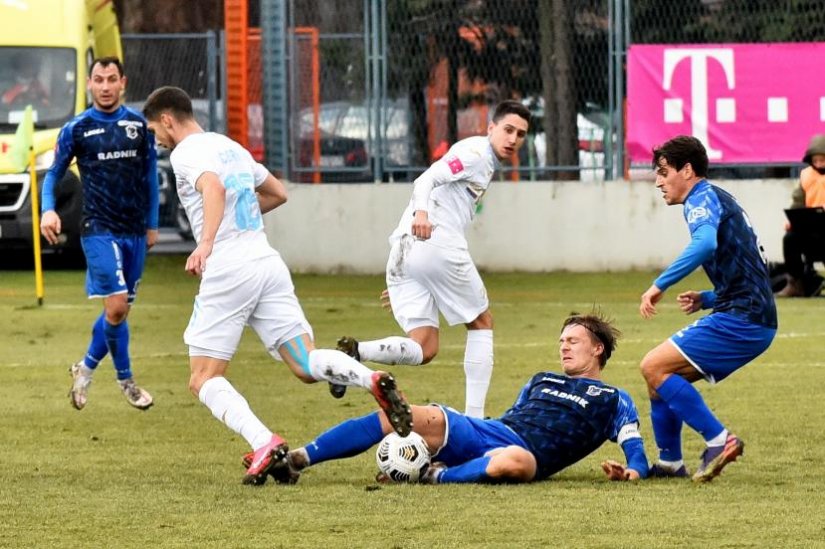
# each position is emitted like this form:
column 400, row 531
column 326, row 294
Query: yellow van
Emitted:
column 46, row 47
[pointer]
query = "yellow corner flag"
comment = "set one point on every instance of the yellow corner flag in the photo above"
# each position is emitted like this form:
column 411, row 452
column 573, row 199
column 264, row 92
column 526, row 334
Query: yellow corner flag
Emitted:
column 23, row 142
column 22, row 155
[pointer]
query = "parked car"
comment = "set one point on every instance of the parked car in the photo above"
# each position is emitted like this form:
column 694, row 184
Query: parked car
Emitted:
column 347, row 134
column 591, row 131
column 171, row 215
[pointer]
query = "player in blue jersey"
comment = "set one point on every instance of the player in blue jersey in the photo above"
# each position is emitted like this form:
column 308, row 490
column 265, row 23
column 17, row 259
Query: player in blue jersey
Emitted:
column 115, row 153
column 557, row 420
column 741, row 326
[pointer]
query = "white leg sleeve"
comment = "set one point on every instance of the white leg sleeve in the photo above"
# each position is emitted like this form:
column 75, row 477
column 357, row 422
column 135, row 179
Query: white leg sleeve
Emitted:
column 339, row 368
column 392, row 350
column 230, row 407
column 478, row 369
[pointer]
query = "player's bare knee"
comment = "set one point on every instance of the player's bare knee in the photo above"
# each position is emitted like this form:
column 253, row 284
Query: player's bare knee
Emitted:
column 196, row 381
column 484, row 321
column 513, row 464
column 116, row 314
column 650, row 369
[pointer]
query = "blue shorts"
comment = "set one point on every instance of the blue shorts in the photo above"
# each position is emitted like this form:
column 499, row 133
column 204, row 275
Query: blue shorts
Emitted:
column 114, row 264
column 719, row 344
column 468, row 438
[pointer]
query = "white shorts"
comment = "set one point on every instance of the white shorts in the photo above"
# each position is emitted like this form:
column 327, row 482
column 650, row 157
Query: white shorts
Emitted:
column 258, row 293
column 424, row 279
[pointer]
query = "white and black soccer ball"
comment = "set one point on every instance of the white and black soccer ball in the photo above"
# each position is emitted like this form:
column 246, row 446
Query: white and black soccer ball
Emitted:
column 403, row 459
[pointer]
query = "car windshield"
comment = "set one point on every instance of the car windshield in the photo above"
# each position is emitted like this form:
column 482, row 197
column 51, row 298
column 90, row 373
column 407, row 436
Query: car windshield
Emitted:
column 44, row 78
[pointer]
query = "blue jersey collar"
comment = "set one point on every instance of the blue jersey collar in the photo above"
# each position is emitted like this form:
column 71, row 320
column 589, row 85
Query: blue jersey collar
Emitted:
column 107, row 116
column 701, row 183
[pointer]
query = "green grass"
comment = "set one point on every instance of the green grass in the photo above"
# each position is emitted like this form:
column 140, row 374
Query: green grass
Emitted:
column 111, row 476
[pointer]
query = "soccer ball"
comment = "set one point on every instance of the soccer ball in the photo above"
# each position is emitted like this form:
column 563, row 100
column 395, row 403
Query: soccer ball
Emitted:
column 403, row 459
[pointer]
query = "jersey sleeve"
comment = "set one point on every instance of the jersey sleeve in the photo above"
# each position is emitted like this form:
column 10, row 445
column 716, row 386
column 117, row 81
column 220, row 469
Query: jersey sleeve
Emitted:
column 703, row 208
column 626, row 421
column 189, row 164
column 260, row 173
column 701, row 248
column 460, row 162
column 63, row 154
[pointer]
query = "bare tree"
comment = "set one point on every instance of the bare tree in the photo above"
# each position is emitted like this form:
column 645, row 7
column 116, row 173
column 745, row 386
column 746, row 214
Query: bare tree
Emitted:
column 560, row 129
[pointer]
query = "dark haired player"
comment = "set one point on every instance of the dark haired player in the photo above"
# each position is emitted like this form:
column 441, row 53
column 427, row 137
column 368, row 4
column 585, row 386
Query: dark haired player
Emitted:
column 115, row 153
column 430, row 270
column 740, row 328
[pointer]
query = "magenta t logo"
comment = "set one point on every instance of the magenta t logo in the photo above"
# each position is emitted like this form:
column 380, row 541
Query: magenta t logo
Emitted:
column 699, row 120
column 732, row 97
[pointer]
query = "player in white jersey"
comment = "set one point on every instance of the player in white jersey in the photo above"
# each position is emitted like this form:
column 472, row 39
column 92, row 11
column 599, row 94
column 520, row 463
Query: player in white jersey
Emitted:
column 430, row 268
column 244, row 281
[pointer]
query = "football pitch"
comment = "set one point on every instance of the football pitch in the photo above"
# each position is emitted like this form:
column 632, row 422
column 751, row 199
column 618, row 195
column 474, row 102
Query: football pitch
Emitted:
column 113, row 476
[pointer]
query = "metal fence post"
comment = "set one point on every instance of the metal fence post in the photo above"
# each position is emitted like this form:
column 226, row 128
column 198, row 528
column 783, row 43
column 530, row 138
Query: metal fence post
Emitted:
column 377, row 98
column 611, row 92
column 275, row 98
column 212, row 78
column 620, row 68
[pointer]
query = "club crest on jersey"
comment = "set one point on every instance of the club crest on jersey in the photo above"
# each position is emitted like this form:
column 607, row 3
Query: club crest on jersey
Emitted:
column 131, row 127
column 593, row 390
column 696, row 214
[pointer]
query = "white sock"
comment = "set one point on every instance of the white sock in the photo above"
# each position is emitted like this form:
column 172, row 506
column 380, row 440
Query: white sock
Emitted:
column 230, row 407
column 718, row 440
column 392, row 350
column 339, row 368
column 478, row 369
column 671, row 465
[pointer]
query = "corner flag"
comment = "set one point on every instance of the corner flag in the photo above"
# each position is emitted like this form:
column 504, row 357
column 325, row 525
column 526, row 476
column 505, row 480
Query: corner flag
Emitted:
column 23, row 142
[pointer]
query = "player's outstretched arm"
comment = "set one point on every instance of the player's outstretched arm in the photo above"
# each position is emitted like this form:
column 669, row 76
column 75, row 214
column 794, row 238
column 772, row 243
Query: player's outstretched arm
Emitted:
column 616, row 471
column 650, row 298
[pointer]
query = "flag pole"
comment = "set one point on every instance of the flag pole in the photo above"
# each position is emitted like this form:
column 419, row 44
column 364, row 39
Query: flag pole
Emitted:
column 38, row 266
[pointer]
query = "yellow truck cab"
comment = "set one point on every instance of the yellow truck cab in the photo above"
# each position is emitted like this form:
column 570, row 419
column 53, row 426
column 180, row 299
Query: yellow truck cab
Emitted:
column 46, row 47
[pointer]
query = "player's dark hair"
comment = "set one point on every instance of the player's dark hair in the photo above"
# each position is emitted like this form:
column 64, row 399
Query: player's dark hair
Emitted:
column 105, row 62
column 682, row 150
column 601, row 331
column 171, row 100
column 511, row 107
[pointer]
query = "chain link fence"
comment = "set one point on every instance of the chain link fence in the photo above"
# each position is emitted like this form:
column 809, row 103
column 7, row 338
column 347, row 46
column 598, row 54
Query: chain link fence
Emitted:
column 398, row 82
column 188, row 61
column 379, row 89
column 191, row 62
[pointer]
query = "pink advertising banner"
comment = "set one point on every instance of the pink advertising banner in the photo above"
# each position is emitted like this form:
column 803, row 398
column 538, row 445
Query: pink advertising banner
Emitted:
column 746, row 102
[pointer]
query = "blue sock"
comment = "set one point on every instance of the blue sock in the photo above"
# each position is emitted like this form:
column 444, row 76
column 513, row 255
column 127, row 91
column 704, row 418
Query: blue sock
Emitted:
column 667, row 430
column 686, row 402
column 346, row 439
column 474, row 470
column 97, row 346
column 117, row 339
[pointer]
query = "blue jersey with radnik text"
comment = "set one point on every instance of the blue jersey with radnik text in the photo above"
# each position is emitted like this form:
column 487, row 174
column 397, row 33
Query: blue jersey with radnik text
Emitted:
column 738, row 269
column 563, row 419
column 116, row 156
